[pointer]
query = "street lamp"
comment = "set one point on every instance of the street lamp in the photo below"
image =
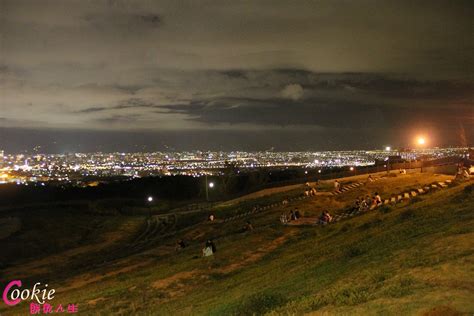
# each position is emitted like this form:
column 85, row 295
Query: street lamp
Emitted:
column 421, row 141
column 208, row 185
column 149, row 200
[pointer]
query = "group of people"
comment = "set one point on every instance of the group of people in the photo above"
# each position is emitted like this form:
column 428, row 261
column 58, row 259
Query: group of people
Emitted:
column 368, row 203
column 291, row 216
column 310, row 192
column 248, row 227
column 325, row 218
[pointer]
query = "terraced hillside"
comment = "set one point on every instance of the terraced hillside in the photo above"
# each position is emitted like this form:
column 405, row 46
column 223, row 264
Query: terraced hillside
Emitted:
column 413, row 255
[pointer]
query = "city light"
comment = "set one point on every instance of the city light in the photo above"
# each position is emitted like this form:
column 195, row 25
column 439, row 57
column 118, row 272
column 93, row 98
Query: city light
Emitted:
column 150, row 199
column 77, row 169
column 388, row 148
column 351, row 168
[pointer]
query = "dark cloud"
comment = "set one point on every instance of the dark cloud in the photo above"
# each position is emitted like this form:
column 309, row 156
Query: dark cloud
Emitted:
column 126, row 104
column 328, row 67
column 93, row 109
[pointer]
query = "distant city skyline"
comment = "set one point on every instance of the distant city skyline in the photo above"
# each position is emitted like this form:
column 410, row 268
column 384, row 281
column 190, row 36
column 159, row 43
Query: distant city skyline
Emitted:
column 78, row 167
column 84, row 76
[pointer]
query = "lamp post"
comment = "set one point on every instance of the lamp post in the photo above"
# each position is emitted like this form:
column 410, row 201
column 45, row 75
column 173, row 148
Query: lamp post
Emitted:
column 388, row 149
column 149, row 200
column 209, row 185
column 421, row 141
column 353, row 170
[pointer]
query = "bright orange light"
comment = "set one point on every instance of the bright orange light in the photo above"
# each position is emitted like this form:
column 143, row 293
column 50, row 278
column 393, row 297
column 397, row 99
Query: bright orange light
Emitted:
column 421, row 141
column 4, row 176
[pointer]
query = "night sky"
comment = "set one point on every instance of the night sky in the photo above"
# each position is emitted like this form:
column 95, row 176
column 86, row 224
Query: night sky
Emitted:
column 234, row 75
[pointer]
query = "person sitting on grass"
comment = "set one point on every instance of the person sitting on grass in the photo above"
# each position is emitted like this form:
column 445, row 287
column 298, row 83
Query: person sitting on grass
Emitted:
column 378, row 199
column 209, row 248
column 248, row 226
column 297, row 213
column 328, row 217
column 356, row 206
column 370, row 179
column 368, row 200
column 292, row 216
column 180, row 244
column 325, row 217
column 373, row 203
column 322, row 218
column 363, row 205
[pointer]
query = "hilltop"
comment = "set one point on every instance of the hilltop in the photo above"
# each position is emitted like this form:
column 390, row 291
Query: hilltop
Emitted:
column 412, row 257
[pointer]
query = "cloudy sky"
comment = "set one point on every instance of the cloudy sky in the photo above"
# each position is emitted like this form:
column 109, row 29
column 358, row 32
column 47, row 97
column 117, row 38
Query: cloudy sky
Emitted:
column 290, row 75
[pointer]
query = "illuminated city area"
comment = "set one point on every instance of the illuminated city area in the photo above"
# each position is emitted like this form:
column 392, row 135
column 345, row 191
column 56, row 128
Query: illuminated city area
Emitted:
column 77, row 168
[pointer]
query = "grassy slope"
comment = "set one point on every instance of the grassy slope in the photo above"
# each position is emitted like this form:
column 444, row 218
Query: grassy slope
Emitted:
column 408, row 259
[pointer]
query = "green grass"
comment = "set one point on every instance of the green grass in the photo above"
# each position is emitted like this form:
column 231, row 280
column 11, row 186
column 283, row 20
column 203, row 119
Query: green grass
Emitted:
column 399, row 260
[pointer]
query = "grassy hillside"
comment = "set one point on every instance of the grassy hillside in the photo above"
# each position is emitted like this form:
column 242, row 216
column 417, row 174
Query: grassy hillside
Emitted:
column 415, row 257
